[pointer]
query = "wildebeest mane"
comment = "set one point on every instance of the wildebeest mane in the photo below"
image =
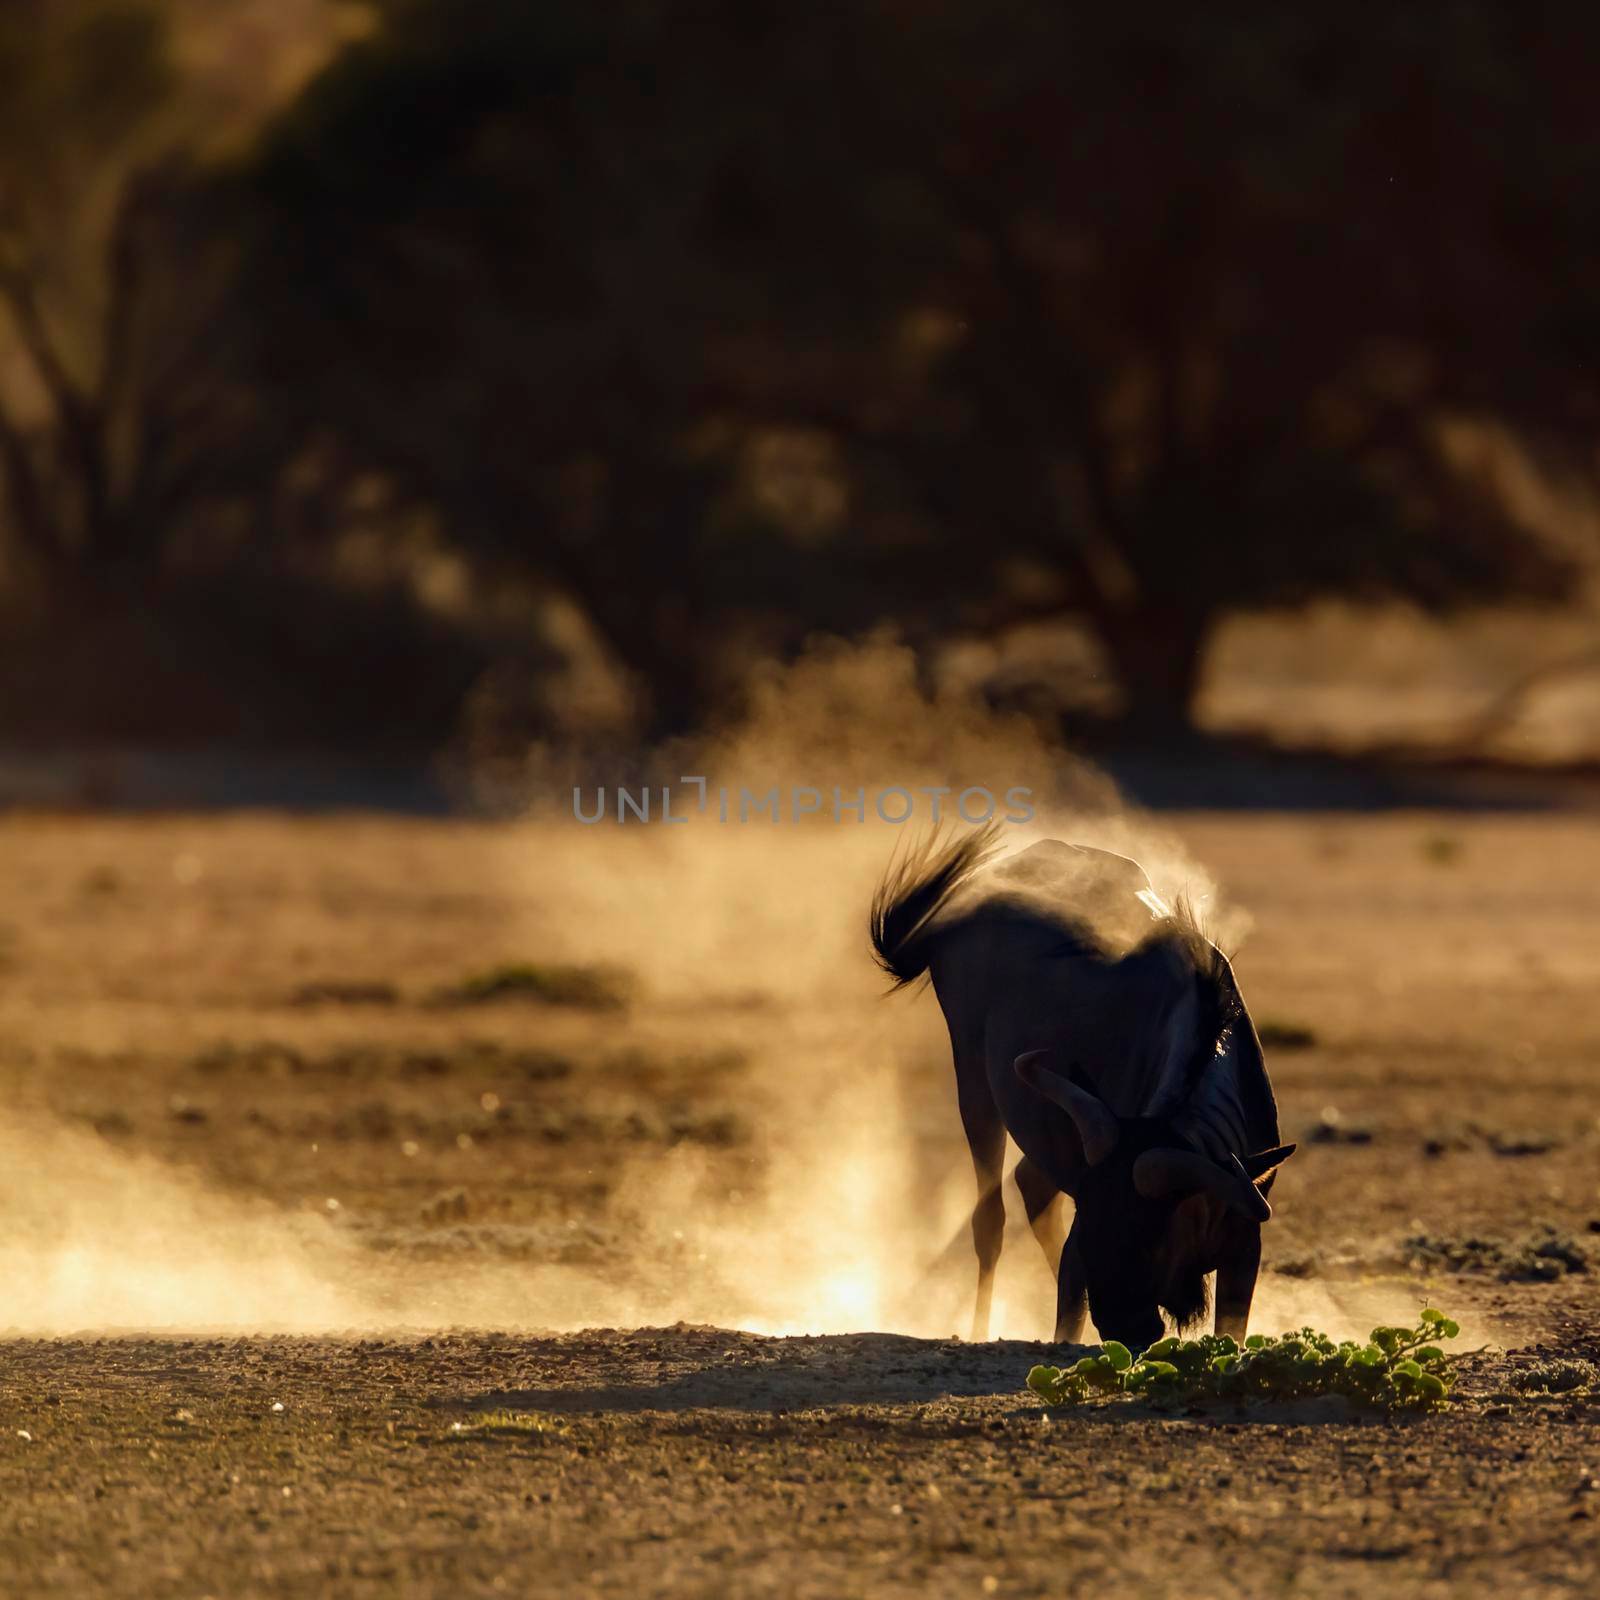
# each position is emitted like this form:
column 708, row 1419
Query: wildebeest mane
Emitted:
column 1222, row 1026
column 1216, row 994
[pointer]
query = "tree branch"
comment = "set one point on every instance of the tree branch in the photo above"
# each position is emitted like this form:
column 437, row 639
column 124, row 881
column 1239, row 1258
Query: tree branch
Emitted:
column 25, row 495
column 1095, row 539
column 124, row 273
column 1502, row 712
column 78, row 417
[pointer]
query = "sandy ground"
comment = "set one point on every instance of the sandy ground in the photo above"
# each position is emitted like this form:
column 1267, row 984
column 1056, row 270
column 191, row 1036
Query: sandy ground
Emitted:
column 239, row 1102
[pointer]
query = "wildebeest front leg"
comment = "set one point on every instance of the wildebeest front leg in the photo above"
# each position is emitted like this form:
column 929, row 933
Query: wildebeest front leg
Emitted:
column 1237, row 1267
column 1043, row 1202
column 1072, row 1292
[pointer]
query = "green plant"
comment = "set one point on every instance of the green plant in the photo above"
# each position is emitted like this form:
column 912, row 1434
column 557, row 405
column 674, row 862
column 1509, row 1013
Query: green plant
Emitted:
column 1540, row 1258
column 1276, row 1034
column 1397, row 1368
column 591, row 988
column 1442, row 849
column 1557, row 1377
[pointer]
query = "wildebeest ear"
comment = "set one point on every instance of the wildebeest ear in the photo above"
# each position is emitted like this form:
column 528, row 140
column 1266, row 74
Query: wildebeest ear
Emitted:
column 1097, row 1128
column 1265, row 1162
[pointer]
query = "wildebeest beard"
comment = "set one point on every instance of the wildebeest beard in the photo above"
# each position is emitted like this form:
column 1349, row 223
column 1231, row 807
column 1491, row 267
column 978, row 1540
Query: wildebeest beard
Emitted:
column 1185, row 1297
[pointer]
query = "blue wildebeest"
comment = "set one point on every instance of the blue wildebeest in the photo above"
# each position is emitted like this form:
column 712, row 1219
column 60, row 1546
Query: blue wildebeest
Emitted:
column 1105, row 1033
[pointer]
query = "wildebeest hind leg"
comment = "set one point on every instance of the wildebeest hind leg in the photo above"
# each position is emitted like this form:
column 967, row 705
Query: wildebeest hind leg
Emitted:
column 1237, row 1266
column 986, row 1137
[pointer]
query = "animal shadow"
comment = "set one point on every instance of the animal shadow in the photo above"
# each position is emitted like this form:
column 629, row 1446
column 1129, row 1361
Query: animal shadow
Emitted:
column 684, row 1369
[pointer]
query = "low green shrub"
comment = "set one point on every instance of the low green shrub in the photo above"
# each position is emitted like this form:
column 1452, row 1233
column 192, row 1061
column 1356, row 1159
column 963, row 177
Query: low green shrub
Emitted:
column 1396, row 1369
column 1557, row 1377
column 1277, row 1034
column 1541, row 1258
column 590, row 988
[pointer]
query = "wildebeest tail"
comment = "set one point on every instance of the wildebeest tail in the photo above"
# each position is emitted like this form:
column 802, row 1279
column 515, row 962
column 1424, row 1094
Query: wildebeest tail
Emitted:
column 913, row 892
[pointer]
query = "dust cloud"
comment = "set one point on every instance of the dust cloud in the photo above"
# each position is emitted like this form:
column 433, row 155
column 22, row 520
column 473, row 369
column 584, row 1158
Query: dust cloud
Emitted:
column 849, row 1213
column 858, row 1219
column 97, row 1239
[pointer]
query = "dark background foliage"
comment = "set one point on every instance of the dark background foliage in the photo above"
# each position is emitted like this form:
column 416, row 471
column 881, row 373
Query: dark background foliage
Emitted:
column 717, row 326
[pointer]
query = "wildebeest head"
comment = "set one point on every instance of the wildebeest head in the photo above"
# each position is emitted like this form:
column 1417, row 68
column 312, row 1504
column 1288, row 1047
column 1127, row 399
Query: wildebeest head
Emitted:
column 1152, row 1211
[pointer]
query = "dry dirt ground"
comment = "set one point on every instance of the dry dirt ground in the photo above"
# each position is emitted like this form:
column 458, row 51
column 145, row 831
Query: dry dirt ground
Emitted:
column 240, row 1096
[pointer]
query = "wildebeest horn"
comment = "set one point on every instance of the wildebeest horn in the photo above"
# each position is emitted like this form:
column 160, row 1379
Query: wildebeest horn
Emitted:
column 1097, row 1128
column 1160, row 1174
column 1265, row 1162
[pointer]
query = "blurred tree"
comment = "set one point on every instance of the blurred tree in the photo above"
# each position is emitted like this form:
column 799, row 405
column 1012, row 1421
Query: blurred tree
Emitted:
column 490, row 265
column 161, row 521
column 113, row 409
column 733, row 321
column 1230, row 291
